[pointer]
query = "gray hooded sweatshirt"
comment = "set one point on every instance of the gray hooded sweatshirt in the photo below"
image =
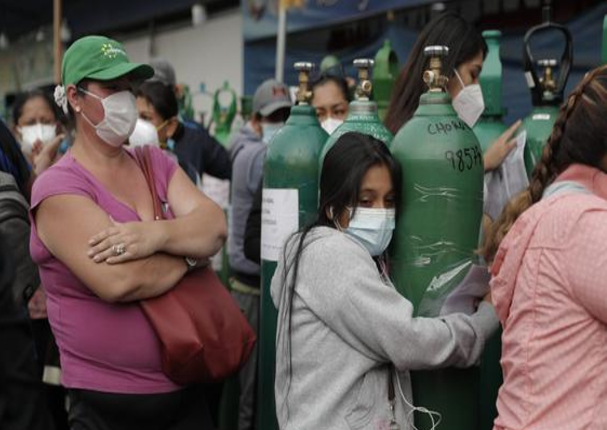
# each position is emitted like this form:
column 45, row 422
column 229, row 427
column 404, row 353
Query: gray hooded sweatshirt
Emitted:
column 349, row 329
column 248, row 153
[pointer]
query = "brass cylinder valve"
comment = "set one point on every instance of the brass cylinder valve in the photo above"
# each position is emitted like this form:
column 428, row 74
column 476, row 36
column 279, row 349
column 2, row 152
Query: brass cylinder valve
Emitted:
column 304, row 95
column 433, row 77
column 365, row 86
column 547, row 79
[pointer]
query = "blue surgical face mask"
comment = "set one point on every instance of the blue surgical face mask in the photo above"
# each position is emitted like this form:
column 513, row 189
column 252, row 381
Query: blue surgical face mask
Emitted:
column 372, row 228
column 269, row 129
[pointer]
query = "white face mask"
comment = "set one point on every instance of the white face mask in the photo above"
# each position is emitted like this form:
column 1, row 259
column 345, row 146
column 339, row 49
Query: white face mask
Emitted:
column 144, row 134
column 269, row 129
column 120, row 117
column 45, row 133
column 373, row 228
column 469, row 103
column 330, row 124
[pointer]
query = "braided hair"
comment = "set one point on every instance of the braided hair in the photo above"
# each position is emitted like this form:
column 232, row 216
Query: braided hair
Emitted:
column 579, row 136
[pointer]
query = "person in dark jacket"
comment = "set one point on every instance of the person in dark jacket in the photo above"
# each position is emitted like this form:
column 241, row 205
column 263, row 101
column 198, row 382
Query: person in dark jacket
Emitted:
column 197, row 152
column 12, row 161
column 25, row 285
column 22, row 402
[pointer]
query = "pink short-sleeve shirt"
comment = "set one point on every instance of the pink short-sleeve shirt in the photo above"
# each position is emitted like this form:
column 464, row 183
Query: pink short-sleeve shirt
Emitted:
column 107, row 347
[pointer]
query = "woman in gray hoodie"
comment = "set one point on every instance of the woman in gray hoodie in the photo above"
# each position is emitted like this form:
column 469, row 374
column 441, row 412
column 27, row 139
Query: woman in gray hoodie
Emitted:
column 346, row 338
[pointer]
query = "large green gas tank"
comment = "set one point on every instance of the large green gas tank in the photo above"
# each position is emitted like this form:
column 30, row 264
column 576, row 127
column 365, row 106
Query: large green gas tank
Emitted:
column 487, row 130
column 362, row 113
column 385, row 72
column 539, row 126
column 437, row 232
column 224, row 112
column 547, row 90
column 290, row 200
column 490, row 126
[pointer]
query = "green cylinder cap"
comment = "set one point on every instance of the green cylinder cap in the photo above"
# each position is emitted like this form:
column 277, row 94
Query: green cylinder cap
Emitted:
column 385, row 72
column 329, row 62
column 491, row 76
column 223, row 115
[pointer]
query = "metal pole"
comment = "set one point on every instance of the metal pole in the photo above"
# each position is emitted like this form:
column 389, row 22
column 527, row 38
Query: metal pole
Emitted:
column 281, row 42
column 57, row 44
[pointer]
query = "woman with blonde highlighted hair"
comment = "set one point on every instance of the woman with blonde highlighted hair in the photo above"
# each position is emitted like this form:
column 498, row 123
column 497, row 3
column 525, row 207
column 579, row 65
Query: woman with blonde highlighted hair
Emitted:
column 549, row 248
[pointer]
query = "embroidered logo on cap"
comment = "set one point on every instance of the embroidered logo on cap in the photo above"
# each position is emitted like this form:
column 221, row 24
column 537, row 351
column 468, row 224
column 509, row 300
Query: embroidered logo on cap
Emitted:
column 110, row 51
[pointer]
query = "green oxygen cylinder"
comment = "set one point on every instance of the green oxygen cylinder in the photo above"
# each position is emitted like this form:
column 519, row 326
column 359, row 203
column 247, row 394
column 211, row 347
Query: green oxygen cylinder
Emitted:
column 329, row 62
column 362, row 113
column 224, row 113
column 539, row 123
column 437, row 232
column 290, row 200
column 547, row 90
column 490, row 126
column 487, row 130
column 385, row 72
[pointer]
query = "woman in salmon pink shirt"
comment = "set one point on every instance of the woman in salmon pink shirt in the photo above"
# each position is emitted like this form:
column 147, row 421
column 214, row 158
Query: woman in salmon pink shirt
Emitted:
column 549, row 283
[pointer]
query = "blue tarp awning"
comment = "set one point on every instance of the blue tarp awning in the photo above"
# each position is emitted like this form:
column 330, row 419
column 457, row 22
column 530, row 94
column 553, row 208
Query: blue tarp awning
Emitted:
column 587, row 36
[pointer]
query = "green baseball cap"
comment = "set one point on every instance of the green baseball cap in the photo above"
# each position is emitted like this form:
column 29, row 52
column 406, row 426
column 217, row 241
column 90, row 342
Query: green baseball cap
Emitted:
column 100, row 58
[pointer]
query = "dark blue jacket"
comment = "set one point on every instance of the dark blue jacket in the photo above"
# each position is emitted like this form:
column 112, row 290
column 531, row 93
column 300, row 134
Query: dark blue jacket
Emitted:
column 200, row 153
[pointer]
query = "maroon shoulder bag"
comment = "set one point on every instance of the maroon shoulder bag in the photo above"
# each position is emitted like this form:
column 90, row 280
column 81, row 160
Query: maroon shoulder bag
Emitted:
column 203, row 334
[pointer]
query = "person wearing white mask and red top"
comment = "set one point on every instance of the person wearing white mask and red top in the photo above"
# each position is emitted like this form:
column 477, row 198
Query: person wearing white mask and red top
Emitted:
column 342, row 325
column 463, row 65
column 37, row 128
column 100, row 251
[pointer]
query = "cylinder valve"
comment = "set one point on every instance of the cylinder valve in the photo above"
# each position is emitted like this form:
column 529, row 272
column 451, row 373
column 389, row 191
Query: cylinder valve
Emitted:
column 304, row 95
column 547, row 79
column 433, row 77
column 365, row 87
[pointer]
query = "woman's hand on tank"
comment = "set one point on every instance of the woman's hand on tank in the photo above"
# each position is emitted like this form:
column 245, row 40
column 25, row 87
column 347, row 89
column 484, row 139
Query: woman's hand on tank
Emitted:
column 499, row 150
column 126, row 242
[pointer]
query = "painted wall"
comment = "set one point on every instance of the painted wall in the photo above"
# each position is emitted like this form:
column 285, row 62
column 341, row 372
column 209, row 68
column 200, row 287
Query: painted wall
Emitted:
column 211, row 54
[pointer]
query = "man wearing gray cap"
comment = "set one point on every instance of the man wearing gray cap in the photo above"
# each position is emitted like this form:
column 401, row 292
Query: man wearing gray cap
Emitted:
column 163, row 72
column 271, row 108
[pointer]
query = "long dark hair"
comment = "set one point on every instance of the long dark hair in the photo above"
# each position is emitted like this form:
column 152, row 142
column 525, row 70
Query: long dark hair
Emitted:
column 448, row 29
column 579, row 136
column 340, row 81
column 343, row 170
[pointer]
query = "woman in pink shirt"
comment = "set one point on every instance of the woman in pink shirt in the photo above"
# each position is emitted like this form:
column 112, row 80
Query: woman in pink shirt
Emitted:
column 100, row 251
column 549, row 282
